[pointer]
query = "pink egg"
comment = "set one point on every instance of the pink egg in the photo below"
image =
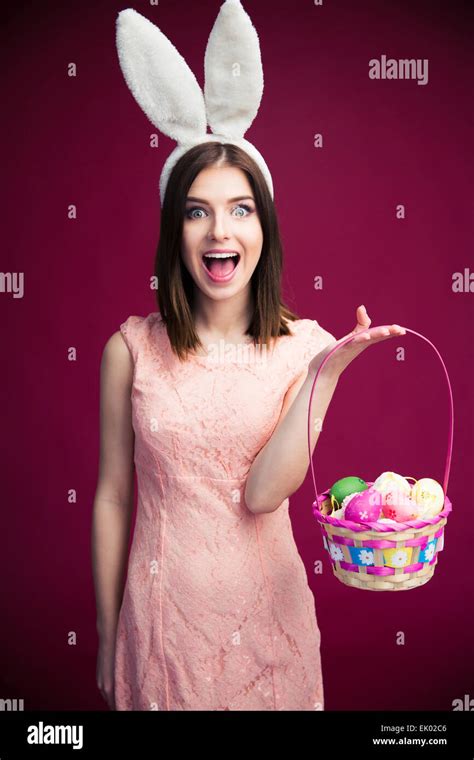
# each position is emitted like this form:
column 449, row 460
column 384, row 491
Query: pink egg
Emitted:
column 400, row 509
column 393, row 496
column 365, row 506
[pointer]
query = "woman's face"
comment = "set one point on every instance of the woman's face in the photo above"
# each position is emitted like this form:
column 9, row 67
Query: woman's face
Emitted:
column 221, row 217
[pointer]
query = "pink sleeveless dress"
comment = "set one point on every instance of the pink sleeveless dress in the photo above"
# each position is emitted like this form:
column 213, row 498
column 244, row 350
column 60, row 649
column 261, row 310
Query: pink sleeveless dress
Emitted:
column 217, row 613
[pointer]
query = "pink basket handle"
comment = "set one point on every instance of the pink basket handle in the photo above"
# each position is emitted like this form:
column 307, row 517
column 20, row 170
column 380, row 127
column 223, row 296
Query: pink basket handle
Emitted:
column 451, row 409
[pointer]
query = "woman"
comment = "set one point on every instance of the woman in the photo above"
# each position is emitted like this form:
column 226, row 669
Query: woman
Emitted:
column 216, row 612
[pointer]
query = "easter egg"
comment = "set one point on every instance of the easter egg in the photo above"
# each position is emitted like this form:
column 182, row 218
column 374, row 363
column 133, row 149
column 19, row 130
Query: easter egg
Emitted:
column 429, row 496
column 366, row 506
column 347, row 499
column 326, row 507
column 344, row 487
column 392, row 486
column 338, row 514
column 402, row 510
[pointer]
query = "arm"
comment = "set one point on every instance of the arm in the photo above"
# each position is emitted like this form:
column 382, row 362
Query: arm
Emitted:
column 113, row 503
column 281, row 465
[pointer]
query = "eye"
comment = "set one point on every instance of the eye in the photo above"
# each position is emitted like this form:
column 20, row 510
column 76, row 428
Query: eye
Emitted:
column 190, row 211
column 244, row 206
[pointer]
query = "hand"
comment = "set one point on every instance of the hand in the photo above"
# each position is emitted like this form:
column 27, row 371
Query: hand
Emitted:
column 338, row 362
column 105, row 673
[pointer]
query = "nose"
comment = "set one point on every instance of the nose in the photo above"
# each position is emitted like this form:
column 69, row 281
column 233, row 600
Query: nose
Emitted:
column 218, row 226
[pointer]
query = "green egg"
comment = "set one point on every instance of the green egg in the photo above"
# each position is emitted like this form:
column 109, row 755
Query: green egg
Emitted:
column 344, row 487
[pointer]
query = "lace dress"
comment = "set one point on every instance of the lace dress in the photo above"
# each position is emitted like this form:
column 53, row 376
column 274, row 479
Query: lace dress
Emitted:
column 217, row 613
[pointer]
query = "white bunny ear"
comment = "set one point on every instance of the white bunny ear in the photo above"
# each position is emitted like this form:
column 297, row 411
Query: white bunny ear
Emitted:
column 233, row 72
column 159, row 78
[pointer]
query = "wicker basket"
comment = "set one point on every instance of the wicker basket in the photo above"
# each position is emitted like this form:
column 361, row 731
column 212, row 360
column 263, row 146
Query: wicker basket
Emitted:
column 378, row 556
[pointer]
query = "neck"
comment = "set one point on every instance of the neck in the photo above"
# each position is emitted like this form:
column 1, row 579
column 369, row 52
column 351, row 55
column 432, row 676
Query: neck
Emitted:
column 225, row 318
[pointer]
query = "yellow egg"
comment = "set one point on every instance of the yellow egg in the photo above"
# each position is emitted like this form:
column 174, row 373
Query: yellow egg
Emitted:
column 429, row 495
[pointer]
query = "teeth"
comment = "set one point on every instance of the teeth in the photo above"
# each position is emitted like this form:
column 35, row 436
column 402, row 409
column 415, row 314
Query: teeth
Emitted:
column 220, row 255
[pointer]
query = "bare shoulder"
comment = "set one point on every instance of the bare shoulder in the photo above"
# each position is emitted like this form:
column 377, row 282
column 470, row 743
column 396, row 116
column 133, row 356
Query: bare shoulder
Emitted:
column 117, row 361
column 116, row 344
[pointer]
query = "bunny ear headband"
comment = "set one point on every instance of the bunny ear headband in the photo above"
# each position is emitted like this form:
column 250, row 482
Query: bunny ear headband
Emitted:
column 167, row 90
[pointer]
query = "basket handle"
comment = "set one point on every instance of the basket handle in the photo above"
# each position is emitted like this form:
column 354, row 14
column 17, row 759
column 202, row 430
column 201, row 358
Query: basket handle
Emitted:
column 451, row 408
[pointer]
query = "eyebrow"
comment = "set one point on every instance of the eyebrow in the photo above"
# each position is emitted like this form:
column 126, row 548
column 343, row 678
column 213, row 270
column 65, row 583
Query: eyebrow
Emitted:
column 230, row 200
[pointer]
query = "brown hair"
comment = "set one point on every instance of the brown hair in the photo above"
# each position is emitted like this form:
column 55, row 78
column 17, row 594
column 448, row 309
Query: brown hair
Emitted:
column 175, row 293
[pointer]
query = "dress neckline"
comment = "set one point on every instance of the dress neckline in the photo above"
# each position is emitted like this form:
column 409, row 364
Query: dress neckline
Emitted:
column 225, row 353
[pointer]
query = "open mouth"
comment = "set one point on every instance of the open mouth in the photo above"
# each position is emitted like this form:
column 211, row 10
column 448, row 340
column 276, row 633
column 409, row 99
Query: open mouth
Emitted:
column 220, row 266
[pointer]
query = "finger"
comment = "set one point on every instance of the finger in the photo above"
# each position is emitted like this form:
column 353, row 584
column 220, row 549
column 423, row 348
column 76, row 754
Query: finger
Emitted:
column 376, row 334
column 390, row 330
column 363, row 319
column 381, row 333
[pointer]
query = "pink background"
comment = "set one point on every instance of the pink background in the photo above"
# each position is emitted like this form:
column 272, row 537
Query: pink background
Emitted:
column 84, row 141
